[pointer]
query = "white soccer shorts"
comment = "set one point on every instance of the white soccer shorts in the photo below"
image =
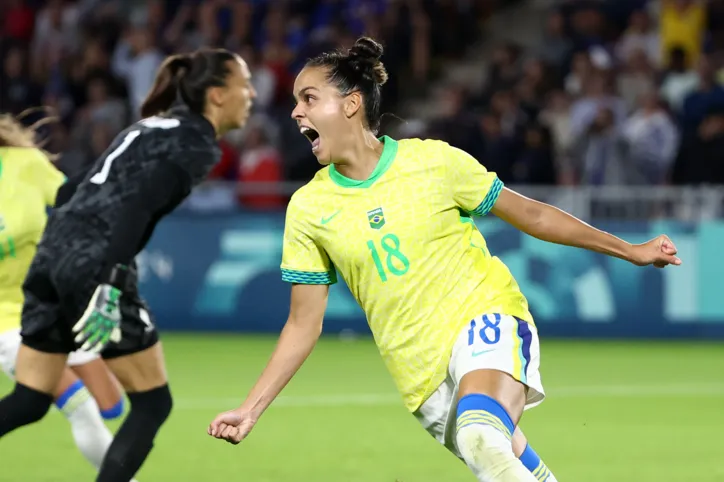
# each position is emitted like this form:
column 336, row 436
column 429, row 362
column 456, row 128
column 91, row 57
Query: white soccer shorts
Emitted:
column 494, row 342
column 10, row 344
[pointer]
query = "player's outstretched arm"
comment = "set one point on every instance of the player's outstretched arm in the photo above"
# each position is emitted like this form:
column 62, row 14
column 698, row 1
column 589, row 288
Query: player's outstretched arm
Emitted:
column 297, row 339
column 549, row 223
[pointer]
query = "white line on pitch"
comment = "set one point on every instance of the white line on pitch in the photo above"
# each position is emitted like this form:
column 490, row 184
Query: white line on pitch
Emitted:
column 389, row 399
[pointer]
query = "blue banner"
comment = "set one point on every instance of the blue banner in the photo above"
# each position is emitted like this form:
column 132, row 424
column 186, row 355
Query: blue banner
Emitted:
column 221, row 272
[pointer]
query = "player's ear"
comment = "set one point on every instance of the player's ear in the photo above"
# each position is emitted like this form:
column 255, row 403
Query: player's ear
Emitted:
column 215, row 96
column 352, row 104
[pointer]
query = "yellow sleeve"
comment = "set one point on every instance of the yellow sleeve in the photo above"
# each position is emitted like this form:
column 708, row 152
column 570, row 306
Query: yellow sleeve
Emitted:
column 44, row 175
column 303, row 260
column 472, row 187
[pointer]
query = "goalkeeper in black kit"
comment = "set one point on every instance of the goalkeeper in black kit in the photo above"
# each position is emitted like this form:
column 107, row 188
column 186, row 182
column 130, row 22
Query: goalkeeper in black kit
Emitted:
column 81, row 290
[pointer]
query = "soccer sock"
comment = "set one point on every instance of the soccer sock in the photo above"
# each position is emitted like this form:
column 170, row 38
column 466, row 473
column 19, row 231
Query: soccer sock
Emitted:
column 115, row 411
column 22, row 406
column 533, row 462
column 91, row 435
column 484, row 433
column 134, row 440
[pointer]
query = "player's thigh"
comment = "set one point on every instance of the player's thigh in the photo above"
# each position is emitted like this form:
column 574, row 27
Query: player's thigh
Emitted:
column 99, row 380
column 137, row 360
column 501, row 387
column 140, row 371
column 45, row 330
column 43, row 354
column 499, row 356
column 39, row 370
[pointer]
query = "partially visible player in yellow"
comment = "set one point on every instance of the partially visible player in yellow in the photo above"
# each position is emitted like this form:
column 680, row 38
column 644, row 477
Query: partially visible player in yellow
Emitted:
column 28, row 186
column 393, row 218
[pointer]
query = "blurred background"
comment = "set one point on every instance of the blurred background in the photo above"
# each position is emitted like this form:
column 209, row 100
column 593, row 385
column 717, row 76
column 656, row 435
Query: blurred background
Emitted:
column 610, row 109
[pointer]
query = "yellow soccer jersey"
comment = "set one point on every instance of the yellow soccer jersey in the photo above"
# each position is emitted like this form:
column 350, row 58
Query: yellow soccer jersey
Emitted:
column 405, row 244
column 28, row 184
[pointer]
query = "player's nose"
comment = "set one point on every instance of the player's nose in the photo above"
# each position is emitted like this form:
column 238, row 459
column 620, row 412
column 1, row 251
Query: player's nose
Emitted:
column 297, row 113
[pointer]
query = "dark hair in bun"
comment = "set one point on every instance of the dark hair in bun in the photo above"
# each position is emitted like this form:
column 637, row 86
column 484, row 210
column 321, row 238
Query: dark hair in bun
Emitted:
column 358, row 69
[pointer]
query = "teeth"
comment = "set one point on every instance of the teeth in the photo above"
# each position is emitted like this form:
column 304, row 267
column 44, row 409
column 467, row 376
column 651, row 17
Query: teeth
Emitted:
column 304, row 129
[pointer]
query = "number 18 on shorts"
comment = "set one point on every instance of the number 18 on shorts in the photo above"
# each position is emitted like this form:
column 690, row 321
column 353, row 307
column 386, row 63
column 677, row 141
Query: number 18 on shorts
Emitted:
column 503, row 343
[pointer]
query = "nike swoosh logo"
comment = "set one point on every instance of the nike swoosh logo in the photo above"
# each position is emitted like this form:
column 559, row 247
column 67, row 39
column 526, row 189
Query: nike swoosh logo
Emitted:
column 477, row 353
column 326, row 220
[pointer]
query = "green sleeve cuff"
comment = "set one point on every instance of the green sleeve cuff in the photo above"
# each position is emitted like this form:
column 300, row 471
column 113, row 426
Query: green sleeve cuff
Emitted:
column 308, row 277
column 490, row 198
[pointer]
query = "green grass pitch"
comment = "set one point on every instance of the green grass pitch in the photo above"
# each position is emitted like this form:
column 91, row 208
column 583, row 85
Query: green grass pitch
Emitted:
column 628, row 412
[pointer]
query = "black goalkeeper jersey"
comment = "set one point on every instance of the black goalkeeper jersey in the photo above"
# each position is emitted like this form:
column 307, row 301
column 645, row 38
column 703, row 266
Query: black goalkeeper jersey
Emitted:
column 147, row 171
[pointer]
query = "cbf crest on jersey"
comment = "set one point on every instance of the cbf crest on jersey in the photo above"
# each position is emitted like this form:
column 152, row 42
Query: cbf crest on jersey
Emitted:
column 376, row 217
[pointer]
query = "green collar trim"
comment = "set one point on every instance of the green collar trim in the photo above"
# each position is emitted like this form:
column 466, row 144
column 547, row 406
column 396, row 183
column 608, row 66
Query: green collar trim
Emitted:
column 388, row 155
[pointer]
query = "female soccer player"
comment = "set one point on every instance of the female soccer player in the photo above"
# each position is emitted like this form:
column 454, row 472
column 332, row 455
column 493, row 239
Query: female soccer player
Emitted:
column 393, row 217
column 28, row 184
column 80, row 289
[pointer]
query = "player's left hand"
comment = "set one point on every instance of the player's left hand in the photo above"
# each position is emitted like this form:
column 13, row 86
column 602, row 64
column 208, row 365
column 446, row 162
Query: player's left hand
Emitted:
column 232, row 426
column 101, row 322
column 659, row 252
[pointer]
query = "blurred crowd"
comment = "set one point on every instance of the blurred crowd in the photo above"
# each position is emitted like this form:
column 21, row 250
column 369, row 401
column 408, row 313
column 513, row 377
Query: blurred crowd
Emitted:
column 93, row 61
column 616, row 92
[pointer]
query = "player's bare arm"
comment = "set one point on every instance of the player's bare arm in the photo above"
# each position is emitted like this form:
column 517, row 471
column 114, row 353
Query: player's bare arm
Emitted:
column 549, row 223
column 296, row 342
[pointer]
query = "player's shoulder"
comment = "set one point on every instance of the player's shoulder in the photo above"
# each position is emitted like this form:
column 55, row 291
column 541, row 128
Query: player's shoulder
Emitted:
column 22, row 162
column 423, row 151
column 178, row 130
column 422, row 147
column 19, row 154
column 310, row 194
column 313, row 198
column 12, row 162
column 415, row 143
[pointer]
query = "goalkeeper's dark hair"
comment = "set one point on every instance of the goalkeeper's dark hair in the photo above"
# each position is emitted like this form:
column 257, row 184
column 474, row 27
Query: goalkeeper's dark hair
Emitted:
column 187, row 77
column 358, row 69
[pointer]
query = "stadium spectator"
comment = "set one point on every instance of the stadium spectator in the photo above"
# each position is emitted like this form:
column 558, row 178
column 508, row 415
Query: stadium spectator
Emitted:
column 640, row 37
column 683, row 24
column 556, row 47
column 263, row 79
column 556, row 116
column 699, row 159
column 19, row 91
column 136, row 60
column 652, row 141
column 457, row 124
column 678, row 79
column 19, row 20
column 534, row 165
column 599, row 149
column 636, row 79
column 260, row 162
column 707, row 95
column 581, row 70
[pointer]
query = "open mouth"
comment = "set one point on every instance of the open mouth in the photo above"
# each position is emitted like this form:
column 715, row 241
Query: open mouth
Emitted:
column 312, row 135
